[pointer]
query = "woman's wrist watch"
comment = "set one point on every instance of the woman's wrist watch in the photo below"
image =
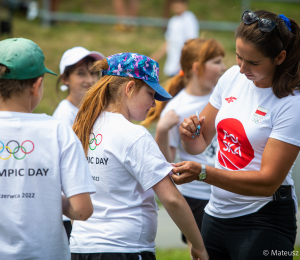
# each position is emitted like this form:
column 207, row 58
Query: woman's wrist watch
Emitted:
column 202, row 175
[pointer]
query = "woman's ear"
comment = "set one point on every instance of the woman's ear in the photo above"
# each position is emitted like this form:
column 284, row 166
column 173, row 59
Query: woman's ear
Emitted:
column 129, row 88
column 36, row 86
column 195, row 68
column 281, row 57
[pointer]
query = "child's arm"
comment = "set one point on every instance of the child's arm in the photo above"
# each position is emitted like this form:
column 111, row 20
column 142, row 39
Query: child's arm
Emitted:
column 160, row 52
column 164, row 124
column 77, row 207
column 181, row 214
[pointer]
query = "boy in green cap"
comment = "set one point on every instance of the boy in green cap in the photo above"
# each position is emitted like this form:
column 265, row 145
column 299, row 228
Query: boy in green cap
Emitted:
column 40, row 157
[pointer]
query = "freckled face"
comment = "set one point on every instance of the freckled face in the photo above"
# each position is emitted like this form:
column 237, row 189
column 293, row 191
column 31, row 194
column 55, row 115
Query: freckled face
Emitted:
column 256, row 67
column 140, row 103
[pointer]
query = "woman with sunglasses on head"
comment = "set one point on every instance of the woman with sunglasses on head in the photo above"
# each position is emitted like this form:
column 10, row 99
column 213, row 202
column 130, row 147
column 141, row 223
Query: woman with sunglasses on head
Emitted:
column 254, row 110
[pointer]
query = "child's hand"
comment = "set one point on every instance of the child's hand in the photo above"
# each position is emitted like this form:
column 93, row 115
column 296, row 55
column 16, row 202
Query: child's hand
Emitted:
column 169, row 120
column 188, row 128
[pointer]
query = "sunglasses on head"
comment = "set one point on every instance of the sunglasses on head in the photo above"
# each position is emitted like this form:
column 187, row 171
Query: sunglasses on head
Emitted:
column 264, row 24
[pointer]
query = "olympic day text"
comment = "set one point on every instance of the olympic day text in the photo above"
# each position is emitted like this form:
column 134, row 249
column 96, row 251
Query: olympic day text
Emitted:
column 96, row 160
column 23, row 172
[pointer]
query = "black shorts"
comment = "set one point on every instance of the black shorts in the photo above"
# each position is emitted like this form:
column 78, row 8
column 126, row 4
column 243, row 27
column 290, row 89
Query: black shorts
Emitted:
column 269, row 233
column 197, row 206
column 68, row 228
column 114, row 256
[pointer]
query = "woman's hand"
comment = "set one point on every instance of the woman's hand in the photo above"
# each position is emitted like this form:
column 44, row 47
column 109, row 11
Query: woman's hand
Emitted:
column 169, row 120
column 199, row 254
column 188, row 128
column 188, row 170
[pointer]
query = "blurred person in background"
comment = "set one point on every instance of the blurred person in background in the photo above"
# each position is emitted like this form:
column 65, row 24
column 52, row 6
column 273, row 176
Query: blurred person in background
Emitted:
column 181, row 27
column 126, row 12
column 202, row 65
column 254, row 110
column 77, row 79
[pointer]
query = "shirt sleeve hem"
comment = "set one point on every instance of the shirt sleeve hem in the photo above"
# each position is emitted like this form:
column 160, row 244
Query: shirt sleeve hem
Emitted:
column 214, row 104
column 84, row 189
column 285, row 139
column 157, row 180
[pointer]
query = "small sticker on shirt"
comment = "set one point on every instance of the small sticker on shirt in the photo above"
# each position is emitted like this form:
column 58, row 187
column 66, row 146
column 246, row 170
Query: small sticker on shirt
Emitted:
column 259, row 115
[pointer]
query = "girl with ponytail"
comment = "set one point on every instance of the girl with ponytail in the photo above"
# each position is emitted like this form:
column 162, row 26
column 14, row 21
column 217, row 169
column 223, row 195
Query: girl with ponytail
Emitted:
column 126, row 165
column 202, row 65
column 254, row 110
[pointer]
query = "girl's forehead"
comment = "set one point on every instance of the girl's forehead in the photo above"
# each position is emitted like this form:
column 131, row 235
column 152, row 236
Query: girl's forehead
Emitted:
column 84, row 65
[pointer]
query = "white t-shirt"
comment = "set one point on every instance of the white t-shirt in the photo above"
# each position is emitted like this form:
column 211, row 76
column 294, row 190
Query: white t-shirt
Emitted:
column 40, row 157
column 66, row 112
column 180, row 28
column 186, row 105
column 248, row 116
column 125, row 163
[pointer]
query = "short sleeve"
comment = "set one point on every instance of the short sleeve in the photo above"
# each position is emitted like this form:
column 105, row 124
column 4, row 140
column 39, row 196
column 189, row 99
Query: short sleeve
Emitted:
column 216, row 97
column 286, row 123
column 75, row 174
column 146, row 163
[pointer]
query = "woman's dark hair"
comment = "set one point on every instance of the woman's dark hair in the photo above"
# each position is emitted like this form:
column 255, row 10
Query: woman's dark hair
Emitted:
column 287, row 74
column 70, row 69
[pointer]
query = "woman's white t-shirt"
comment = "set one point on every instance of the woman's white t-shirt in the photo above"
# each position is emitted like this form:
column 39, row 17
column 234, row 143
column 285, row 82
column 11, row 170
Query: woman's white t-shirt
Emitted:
column 248, row 116
column 40, row 157
column 186, row 105
column 66, row 112
column 125, row 163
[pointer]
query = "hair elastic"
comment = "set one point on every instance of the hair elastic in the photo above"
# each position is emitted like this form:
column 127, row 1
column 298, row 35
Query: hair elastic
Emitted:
column 181, row 73
column 286, row 21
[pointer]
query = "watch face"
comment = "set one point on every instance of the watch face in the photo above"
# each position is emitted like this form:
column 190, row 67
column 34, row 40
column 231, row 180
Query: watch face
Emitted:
column 202, row 176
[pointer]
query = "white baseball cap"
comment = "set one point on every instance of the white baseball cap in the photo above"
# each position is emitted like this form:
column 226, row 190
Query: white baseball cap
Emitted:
column 72, row 56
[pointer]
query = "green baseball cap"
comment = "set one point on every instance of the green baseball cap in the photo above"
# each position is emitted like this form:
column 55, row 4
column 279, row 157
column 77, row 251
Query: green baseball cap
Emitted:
column 23, row 58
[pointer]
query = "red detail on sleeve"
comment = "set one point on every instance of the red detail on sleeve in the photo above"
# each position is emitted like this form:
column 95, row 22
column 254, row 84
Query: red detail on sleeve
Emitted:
column 235, row 151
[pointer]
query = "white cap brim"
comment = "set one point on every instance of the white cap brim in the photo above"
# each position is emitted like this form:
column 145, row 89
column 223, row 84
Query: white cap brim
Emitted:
column 72, row 56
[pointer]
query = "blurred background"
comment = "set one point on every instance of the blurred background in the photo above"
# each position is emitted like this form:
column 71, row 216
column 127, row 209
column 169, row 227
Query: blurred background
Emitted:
column 58, row 25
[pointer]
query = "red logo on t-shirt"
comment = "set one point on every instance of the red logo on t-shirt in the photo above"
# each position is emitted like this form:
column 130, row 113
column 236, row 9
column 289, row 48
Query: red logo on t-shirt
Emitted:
column 230, row 99
column 235, row 151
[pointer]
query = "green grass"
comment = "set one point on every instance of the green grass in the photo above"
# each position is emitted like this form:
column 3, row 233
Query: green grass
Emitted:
column 173, row 254
column 54, row 41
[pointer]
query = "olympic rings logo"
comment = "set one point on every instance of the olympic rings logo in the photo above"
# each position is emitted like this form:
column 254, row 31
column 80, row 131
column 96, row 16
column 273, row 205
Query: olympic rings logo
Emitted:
column 95, row 141
column 15, row 149
column 256, row 120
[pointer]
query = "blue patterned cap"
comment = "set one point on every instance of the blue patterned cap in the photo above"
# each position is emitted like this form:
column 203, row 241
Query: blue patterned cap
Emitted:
column 137, row 66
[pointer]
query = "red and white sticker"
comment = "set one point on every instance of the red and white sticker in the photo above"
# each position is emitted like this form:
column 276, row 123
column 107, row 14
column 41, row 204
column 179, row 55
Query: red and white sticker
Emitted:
column 235, row 151
column 259, row 115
